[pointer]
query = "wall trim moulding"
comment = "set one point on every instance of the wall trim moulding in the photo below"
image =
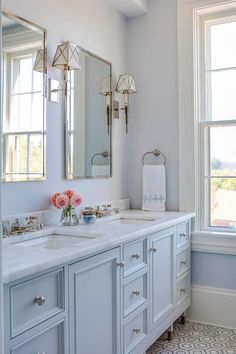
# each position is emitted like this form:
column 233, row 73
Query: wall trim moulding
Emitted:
column 214, row 306
column 214, row 242
column 130, row 8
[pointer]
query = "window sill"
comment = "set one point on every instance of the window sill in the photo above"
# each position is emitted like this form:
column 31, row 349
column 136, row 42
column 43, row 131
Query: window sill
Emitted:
column 214, row 242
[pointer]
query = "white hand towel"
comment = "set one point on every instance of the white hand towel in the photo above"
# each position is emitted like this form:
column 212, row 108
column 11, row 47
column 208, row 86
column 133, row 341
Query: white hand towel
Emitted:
column 99, row 171
column 154, row 188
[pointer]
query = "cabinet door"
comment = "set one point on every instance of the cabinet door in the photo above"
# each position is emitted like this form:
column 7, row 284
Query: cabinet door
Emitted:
column 162, row 273
column 94, row 312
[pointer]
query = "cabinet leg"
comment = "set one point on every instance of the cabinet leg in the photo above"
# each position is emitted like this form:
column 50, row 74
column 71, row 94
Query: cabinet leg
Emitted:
column 183, row 318
column 170, row 333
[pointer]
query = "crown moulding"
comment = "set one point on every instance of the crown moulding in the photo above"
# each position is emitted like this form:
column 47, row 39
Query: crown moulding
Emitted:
column 130, row 8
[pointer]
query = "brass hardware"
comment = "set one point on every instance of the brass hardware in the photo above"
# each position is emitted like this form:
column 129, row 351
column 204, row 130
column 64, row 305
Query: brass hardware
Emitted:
column 40, row 300
column 136, row 330
column 153, row 249
column 136, row 256
column 120, row 264
column 136, row 292
column 182, row 235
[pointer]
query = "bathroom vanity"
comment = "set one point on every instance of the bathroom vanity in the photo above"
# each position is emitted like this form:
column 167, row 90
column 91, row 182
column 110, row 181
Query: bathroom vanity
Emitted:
column 116, row 290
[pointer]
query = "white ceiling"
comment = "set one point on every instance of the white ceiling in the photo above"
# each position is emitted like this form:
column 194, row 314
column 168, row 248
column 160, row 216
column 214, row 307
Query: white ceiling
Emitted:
column 130, row 8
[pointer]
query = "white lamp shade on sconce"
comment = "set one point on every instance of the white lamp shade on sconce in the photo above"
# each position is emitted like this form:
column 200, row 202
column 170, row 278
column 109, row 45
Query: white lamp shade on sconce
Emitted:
column 126, row 84
column 40, row 61
column 105, row 88
column 66, row 57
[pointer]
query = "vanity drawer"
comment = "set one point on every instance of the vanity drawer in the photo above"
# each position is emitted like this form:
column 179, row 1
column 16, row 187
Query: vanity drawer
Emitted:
column 48, row 341
column 135, row 293
column 183, row 288
column 135, row 256
column 183, row 262
column 35, row 301
column 182, row 235
column 135, row 331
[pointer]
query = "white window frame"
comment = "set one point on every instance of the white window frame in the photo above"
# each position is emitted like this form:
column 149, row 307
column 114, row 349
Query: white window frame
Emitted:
column 8, row 71
column 202, row 125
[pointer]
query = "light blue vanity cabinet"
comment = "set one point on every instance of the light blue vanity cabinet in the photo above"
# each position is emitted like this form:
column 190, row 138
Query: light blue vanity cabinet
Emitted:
column 94, row 304
column 162, row 275
column 118, row 301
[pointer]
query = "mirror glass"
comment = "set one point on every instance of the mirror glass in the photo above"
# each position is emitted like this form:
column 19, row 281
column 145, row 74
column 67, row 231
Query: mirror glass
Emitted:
column 88, row 133
column 24, row 83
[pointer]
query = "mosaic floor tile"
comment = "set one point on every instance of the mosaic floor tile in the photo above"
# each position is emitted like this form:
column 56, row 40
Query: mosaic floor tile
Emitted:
column 196, row 338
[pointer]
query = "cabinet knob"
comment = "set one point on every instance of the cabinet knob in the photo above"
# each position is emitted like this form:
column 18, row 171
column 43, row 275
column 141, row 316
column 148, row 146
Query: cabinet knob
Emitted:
column 136, row 292
column 182, row 263
column 136, row 256
column 153, row 249
column 120, row 264
column 136, row 330
column 182, row 235
column 40, row 300
column 183, row 291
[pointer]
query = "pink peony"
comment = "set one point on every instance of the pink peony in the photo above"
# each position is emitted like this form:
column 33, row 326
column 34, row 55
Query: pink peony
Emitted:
column 53, row 199
column 62, row 201
column 76, row 200
column 69, row 193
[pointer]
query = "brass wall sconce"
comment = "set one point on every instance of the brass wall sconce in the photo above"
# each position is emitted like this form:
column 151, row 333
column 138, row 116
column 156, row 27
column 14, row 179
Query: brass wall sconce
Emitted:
column 105, row 90
column 126, row 86
column 66, row 58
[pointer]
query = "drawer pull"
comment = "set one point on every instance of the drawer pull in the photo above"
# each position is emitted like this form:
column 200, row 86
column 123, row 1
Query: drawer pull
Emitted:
column 153, row 249
column 183, row 235
column 120, row 264
column 182, row 263
column 182, row 291
column 40, row 300
column 136, row 330
column 41, row 353
column 136, row 292
column 136, row 256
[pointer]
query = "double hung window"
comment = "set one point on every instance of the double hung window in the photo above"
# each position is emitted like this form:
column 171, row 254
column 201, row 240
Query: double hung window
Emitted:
column 217, row 123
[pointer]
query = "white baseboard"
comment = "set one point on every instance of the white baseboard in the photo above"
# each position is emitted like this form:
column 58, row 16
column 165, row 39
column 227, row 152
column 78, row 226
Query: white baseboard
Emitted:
column 213, row 306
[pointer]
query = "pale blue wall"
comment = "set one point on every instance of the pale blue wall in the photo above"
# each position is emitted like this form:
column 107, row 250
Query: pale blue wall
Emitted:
column 153, row 122
column 103, row 34
column 214, row 270
column 152, row 53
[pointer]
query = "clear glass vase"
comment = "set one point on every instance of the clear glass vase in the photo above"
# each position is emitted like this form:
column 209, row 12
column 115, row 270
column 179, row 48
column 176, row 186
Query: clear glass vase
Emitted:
column 69, row 217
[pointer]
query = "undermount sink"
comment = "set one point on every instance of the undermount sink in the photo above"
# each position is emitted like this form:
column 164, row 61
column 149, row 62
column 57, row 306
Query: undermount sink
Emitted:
column 131, row 221
column 52, row 242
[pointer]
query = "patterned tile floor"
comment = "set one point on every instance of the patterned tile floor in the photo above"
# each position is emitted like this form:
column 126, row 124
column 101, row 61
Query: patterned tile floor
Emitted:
column 196, row 338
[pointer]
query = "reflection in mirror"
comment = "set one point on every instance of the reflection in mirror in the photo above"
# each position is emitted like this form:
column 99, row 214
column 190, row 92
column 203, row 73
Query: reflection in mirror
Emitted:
column 24, row 77
column 88, row 119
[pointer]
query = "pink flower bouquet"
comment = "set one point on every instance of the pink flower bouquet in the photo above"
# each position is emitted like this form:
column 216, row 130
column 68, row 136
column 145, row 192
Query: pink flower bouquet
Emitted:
column 67, row 201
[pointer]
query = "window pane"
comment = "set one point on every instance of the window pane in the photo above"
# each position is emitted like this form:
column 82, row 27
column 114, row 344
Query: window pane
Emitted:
column 223, row 197
column 223, row 45
column 223, row 92
column 36, row 154
column 223, row 151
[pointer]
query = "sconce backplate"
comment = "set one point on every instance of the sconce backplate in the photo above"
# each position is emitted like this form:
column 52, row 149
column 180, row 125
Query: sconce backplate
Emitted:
column 116, row 109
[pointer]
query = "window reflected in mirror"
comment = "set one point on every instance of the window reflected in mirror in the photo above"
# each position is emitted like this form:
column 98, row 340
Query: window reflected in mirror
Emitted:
column 24, row 77
column 88, row 130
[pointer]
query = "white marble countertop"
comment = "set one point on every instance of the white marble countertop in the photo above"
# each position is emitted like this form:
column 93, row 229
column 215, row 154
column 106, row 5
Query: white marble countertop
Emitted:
column 21, row 259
